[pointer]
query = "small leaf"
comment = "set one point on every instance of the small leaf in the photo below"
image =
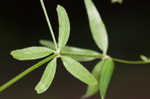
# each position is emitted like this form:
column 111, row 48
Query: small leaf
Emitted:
column 64, row 27
column 78, row 71
column 144, row 58
column 105, row 76
column 47, row 77
column 117, row 1
column 91, row 90
column 97, row 26
column 83, row 54
column 48, row 44
column 31, row 53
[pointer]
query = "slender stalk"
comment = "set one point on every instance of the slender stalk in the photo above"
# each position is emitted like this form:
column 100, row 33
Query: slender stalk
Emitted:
column 21, row 75
column 48, row 22
column 130, row 61
column 115, row 59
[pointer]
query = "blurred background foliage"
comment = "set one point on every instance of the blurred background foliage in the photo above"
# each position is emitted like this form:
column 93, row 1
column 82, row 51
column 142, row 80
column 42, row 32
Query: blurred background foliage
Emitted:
column 22, row 24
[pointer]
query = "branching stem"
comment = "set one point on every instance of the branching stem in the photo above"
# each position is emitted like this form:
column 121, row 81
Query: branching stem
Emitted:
column 21, row 75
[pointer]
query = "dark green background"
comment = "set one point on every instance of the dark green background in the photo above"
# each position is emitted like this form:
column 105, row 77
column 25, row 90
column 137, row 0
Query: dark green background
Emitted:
column 22, row 24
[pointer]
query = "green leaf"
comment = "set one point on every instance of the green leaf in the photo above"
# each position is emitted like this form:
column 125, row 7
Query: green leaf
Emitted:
column 48, row 44
column 83, row 54
column 31, row 53
column 144, row 58
column 105, row 76
column 47, row 77
column 80, row 54
column 117, row 1
column 91, row 90
column 97, row 26
column 78, row 71
column 64, row 27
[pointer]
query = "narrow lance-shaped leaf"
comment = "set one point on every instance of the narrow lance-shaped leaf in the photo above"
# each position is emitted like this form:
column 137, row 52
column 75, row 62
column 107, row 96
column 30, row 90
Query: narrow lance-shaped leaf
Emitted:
column 91, row 90
column 105, row 76
column 31, row 53
column 47, row 77
column 97, row 26
column 47, row 43
column 79, row 54
column 78, row 71
column 64, row 27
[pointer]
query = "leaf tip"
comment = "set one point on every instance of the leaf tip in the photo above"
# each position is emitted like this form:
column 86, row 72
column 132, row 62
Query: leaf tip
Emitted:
column 144, row 58
column 40, row 88
column 15, row 55
column 117, row 1
column 12, row 53
column 37, row 91
column 59, row 7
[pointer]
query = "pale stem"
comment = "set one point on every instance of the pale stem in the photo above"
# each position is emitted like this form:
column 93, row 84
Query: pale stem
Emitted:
column 48, row 22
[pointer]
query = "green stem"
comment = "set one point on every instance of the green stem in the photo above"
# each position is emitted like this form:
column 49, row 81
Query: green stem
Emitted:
column 21, row 75
column 130, row 61
column 115, row 59
column 48, row 22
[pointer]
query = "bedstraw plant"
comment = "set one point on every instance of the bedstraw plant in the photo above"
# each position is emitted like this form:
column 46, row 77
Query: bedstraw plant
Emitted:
column 71, row 57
